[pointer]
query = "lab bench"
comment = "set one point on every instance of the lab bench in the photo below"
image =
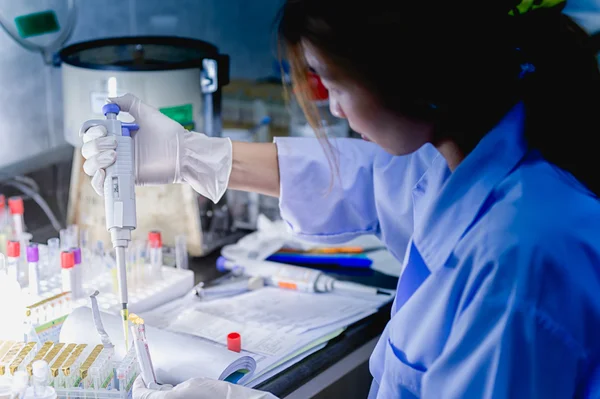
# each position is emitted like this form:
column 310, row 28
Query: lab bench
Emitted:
column 338, row 370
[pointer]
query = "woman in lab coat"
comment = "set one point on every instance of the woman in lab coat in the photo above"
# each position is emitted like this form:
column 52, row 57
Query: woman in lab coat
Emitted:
column 480, row 175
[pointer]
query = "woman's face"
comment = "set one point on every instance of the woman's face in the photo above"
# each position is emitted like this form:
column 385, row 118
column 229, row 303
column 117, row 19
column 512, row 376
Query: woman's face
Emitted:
column 396, row 134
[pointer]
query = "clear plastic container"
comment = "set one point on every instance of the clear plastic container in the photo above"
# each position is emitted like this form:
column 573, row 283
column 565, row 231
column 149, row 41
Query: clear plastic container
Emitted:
column 300, row 127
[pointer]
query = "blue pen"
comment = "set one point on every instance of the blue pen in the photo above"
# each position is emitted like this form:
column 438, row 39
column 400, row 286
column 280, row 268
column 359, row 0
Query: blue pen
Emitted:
column 349, row 261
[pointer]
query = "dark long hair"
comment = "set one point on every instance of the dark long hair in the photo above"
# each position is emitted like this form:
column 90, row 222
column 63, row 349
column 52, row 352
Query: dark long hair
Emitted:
column 461, row 65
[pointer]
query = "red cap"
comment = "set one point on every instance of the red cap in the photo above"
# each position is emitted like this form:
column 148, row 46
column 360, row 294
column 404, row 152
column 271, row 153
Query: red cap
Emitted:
column 234, row 342
column 318, row 91
column 155, row 239
column 67, row 259
column 2, row 201
column 13, row 249
column 15, row 205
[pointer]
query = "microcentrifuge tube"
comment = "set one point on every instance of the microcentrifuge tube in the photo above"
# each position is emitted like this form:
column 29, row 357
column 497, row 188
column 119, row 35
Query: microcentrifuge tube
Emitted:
column 53, row 256
column 181, row 254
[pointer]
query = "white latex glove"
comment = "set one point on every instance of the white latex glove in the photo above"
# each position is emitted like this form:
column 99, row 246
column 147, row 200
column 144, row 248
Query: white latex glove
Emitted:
column 199, row 388
column 164, row 152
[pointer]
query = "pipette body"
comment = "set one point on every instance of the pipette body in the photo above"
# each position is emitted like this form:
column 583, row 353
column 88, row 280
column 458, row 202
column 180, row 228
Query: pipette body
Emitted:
column 119, row 195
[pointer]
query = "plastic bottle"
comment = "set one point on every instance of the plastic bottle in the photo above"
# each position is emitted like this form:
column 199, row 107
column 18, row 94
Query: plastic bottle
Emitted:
column 300, row 127
column 40, row 380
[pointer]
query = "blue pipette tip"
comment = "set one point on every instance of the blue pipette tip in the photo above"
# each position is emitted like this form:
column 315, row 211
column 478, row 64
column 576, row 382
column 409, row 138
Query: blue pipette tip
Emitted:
column 221, row 264
column 110, row 108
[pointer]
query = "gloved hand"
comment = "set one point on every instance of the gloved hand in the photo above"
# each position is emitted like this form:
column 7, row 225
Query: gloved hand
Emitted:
column 164, row 152
column 198, row 388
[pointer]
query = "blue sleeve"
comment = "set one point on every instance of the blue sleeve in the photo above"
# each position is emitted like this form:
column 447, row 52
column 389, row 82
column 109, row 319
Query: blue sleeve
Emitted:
column 332, row 196
column 511, row 340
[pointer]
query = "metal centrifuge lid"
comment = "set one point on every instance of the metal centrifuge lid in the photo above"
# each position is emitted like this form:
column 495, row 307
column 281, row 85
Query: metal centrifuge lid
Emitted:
column 143, row 53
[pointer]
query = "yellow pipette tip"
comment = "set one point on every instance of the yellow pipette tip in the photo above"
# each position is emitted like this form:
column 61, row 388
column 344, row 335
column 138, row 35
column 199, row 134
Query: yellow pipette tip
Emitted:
column 125, row 314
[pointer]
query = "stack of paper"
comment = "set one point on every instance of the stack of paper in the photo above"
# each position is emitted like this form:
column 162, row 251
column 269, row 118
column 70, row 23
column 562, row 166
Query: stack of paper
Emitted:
column 278, row 328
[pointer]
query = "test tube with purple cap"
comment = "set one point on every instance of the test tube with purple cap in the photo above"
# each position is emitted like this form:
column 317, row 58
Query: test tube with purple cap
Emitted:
column 33, row 259
column 77, row 273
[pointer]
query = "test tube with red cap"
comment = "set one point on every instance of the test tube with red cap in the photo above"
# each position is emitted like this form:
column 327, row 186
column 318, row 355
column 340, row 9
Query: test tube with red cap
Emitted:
column 3, row 215
column 33, row 259
column 4, row 225
column 13, row 259
column 17, row 209
column 156, row 254
column 67, row 264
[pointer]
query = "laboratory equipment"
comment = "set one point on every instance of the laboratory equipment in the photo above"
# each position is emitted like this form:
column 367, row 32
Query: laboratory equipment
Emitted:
column 67, row 264
column 234, row 342
column 295, row 277
column 232, row 286
column 13, row 259
column 119, row 194
column 127, row 371
column 17, row 209
column 350, row 261
column 20, row 382
column 66, row 370
column 142, row 352
column 22, row 358
column 185, row 77
column 33, row 258
column 40, row 381
column 53, row 256
column 155, row 252
column 181, row 254
column 77, row 273
column 64, row 240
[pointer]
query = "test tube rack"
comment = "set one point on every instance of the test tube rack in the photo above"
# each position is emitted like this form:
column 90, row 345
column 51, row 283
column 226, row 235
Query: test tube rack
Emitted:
column 76, row 370
column 48, row 311
column 143, row 296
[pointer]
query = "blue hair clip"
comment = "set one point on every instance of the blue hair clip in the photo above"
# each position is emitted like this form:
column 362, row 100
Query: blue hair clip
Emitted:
column 526, row 68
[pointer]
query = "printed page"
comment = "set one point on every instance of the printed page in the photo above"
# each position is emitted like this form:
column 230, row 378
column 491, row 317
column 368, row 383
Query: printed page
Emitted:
column 286, row 311
column 254, row 339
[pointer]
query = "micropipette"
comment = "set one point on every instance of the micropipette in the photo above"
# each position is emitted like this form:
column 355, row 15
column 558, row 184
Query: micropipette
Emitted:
column 295, row 277
column 119, row 195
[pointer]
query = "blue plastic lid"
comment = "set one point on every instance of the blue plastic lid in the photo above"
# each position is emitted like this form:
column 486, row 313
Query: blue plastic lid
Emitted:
column 110, row 108
column 221, row 264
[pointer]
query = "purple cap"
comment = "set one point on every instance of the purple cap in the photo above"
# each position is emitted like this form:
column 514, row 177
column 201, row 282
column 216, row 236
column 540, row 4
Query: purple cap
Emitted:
column 77, row 255
column 110, row 108
column 33, row 254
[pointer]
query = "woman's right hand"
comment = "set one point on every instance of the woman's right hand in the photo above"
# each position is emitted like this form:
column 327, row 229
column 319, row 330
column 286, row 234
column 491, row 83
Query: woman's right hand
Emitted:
column 164, row 152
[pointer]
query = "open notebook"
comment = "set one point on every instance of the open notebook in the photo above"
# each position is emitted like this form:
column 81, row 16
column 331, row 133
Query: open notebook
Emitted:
column 176, row 357
column 278, row 327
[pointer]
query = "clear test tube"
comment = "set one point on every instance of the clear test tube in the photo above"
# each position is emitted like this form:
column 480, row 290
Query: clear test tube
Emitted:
column 181, row 254
column 53, row 260
column 17, row 209
column 77, row 274
column 64, row 239
column 84, row 244
column 156, row 254
column 33, row 258
column 13, row 259
column 67, row 263
column 73, row 230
